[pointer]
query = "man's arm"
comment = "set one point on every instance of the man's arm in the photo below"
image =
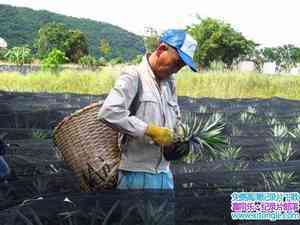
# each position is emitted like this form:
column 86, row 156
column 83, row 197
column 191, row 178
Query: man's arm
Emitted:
column 115, row 109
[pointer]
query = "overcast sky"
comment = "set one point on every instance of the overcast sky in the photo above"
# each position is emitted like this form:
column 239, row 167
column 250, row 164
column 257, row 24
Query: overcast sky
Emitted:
column 270, row 23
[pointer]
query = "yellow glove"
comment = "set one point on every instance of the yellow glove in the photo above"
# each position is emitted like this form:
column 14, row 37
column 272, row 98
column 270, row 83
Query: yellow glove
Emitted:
column 160, row 135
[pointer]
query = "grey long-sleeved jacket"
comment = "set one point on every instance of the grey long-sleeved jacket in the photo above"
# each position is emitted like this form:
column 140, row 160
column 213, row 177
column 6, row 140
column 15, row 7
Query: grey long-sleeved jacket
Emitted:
column 133, row 103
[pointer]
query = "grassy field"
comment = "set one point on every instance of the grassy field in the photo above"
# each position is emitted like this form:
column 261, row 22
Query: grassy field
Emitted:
column 238, row 85
column 207, row 84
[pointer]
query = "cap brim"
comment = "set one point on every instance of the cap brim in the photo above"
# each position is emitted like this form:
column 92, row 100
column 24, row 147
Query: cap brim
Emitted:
column 187, row 60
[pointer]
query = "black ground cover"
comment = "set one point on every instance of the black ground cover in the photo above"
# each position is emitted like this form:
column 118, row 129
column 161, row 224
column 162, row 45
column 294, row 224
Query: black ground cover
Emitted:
column 37, row 188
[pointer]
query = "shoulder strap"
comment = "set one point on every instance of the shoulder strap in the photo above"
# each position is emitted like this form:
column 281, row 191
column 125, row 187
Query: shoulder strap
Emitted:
column 134, row 104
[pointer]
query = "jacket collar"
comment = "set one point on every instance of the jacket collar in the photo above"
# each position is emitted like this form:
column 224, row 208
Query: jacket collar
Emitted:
column 146, row 65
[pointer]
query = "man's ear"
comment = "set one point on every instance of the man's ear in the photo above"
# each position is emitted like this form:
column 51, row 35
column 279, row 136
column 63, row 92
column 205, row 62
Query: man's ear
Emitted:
column 161, row 48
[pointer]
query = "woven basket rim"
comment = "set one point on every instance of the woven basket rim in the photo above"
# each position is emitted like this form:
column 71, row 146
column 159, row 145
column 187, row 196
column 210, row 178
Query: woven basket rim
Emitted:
column 70, row 116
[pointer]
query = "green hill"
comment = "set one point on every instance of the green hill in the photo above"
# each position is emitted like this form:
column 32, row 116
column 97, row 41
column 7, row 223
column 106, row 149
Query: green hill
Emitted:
column 19, row 26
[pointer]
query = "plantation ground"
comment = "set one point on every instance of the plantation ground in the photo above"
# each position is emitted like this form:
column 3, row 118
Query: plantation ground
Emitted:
column 202, row 189
column 209, row 84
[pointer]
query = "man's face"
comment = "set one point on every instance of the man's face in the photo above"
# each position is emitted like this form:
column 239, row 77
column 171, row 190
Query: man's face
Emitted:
column 168, row 62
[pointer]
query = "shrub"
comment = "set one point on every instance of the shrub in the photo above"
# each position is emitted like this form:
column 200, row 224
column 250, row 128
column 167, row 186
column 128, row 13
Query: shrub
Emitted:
column 54, row 59
column 117, row 60
column 88, row 61
column 19, row 55
column 102, row 61
column 137, row 59
column 3, row 52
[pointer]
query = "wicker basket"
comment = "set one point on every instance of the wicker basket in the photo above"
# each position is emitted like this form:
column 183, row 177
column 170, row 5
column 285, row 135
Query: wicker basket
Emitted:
column 89, row 147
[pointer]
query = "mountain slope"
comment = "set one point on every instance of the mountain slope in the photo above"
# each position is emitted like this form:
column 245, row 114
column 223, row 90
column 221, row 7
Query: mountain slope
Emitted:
column 19, row 26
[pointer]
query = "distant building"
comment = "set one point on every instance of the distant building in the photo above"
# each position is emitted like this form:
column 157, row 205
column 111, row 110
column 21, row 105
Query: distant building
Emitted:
column 246, row 66
column 269, row 68
column 3, row 43
column 295, row 70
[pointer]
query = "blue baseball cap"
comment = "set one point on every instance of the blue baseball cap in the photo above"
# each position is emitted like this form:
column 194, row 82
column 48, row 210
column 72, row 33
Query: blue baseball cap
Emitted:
column 183, row 43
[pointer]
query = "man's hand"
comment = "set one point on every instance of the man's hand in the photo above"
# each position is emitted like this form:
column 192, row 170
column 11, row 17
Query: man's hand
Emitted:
column 179, row 134
column 160, row 135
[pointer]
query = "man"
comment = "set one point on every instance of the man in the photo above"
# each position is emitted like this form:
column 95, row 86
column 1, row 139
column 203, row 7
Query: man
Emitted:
column 143, row 107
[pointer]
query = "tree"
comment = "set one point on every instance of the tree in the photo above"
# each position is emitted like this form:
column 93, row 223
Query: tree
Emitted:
column 285, row 56
column 57, row 36
column 269, row 54
column 151, row 39
column 50, row 36
column 75, row 45
column 257, row 57
column 218, row 41
column 295, row 54
column 104, row 47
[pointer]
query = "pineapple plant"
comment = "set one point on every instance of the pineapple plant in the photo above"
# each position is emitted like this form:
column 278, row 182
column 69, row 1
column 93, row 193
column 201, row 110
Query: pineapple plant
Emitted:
column 282, row 152
column 279, row 180
column 195, row 135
